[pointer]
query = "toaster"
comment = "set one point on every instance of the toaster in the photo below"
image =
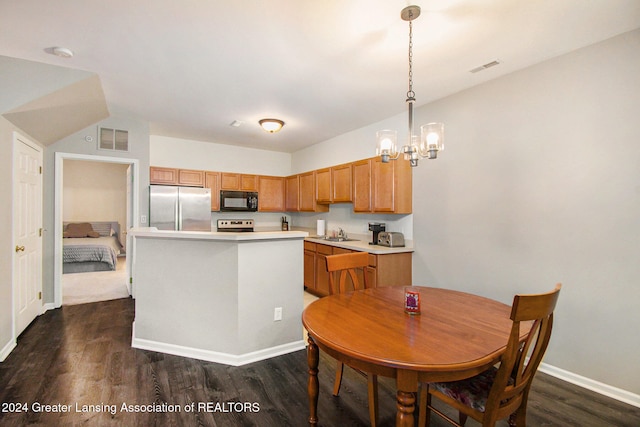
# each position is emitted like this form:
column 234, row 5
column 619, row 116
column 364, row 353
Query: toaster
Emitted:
column 391, row 239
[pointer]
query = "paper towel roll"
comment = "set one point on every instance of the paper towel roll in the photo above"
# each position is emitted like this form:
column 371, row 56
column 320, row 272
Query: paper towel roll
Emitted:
column 320, row 227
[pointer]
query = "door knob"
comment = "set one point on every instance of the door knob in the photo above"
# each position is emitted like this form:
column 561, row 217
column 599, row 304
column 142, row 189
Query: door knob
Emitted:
column 19, row 248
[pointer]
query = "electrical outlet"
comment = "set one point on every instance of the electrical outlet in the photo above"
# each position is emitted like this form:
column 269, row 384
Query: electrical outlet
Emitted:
column 277, row 314
column 143, row 219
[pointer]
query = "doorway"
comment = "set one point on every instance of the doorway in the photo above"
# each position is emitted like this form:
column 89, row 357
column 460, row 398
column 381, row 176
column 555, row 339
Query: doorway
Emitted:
column 132, row 202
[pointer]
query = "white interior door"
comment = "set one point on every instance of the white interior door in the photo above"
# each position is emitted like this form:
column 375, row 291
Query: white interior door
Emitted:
column 128, row 226
column 27, row 232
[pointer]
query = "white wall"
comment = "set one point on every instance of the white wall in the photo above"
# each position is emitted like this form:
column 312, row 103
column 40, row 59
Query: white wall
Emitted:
column 94, row 191
column 540, row 183
column 189, row 154
column 76, row 144
column 6, row 213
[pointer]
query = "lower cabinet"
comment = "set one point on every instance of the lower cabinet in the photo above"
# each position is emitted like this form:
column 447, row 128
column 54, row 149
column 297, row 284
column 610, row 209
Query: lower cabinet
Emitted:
column 384, row 269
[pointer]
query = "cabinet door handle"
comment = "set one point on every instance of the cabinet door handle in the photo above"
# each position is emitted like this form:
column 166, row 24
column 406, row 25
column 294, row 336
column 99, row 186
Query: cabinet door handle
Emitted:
column 19, row 248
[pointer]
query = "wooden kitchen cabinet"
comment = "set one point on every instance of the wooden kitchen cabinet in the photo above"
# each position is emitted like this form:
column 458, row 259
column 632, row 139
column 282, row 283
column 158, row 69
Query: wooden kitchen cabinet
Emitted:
column 163, row 176
column 322, row 275
column 362, row 186
column 323, row 186
column 238, row 181
column 384, row 269
column 300, row 194
column 310, row 265
column 390, row 270
column 270, row 194
column 212, row 181
column 307, row 185
column 173, row 176
column 292, row 193
column 190, row 178
column 391, row 186
column 333, row 185
column 341, row 178
column 382, row 187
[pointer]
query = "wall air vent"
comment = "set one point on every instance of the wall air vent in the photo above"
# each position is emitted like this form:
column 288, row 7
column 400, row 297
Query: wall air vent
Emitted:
column 113, row 139
column 485, row 66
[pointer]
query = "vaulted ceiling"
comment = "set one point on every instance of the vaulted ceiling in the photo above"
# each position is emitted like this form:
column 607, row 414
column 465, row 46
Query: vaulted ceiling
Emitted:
column 192, row 67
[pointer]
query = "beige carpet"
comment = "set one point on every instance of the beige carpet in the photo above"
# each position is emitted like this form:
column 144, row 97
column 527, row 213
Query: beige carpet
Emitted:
column 81, row 288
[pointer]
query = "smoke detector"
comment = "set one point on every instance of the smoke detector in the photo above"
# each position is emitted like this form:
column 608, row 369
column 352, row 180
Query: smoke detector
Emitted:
column 62, row 52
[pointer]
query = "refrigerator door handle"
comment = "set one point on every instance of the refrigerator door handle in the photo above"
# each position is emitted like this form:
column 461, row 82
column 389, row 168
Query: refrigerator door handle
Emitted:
column 180, row 215
column 177, row 216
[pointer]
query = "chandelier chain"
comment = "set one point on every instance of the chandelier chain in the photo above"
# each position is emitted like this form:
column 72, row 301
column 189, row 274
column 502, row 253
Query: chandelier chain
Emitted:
column 410, row 93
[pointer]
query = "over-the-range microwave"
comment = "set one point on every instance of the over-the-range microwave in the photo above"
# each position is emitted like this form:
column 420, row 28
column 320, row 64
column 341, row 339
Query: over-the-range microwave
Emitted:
column 238, row 201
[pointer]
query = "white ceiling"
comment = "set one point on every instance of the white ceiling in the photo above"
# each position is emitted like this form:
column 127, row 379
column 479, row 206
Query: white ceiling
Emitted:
column 191, row 67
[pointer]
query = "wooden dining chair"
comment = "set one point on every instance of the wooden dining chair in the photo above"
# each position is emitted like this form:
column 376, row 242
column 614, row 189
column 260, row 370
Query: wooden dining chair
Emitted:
column 503, row 391
column 352, row 266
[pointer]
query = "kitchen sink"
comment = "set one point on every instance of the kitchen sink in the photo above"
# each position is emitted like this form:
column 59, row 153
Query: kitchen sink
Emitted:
column 336, row 239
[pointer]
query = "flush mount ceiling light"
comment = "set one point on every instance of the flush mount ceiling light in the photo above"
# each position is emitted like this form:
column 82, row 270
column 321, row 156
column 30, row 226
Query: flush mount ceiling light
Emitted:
column 62, row 52
column 271, row 125
column 429, row 142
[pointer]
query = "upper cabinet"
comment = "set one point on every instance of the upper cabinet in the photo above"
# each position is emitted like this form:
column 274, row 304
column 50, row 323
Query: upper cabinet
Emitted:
column 333, row 185
column 362, row 186
column 391, row 186
column 382, row 187
column 308, row 202
column 292, row 193
column 271, row 194
column 190, row 178
column 238, row 181
column 341, row 180
column 323, row 185
column 301, row 194
column 212, row 181
column 172, row 176
column 372, row 187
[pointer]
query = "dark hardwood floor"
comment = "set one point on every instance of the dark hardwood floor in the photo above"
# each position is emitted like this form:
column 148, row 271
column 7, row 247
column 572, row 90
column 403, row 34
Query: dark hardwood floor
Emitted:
column 81, row 355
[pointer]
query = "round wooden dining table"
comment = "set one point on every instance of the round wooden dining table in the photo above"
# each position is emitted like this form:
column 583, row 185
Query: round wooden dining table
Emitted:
column 456, row 335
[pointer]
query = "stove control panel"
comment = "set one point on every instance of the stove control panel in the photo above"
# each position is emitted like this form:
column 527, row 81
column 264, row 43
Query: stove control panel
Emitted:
column 235, row 225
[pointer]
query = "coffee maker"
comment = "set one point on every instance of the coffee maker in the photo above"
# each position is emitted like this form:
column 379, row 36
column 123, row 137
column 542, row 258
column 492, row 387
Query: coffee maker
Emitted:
column 376, row 227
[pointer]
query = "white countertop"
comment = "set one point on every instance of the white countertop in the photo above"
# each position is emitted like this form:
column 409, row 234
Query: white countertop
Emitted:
column 153, row 232
column 364, row 246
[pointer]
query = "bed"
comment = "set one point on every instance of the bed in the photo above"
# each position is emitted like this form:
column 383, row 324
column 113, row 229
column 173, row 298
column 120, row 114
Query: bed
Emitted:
column 90, row 246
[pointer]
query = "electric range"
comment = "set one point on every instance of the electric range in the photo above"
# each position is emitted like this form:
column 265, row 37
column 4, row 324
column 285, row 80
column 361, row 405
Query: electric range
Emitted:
column 235, row 225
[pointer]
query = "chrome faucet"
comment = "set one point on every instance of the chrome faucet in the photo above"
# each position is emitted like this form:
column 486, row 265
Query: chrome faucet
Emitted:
column 341, row 233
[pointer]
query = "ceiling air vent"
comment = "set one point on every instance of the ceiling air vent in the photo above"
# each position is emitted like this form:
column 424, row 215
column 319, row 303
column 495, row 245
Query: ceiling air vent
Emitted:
column 485, row 66
column 113, row 139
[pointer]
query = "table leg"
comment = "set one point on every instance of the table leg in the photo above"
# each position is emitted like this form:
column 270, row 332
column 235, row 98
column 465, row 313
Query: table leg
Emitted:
column 407, row 385
column 312, row 361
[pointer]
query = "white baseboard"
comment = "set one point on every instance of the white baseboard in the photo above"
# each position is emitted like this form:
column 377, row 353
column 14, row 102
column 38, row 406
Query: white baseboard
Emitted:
column 7, row 349
column 214, row 356
column 593, row 385
column 48, row 306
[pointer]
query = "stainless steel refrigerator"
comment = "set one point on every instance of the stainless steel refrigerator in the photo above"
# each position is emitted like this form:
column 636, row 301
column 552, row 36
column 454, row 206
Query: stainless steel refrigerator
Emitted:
column 180, row 208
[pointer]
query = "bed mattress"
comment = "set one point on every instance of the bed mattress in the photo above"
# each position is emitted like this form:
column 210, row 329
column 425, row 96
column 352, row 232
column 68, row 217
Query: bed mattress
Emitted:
column 100, row 249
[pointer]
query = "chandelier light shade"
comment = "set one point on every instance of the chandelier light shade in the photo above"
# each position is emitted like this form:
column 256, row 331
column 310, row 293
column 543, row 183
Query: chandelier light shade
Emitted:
column 430, row 140
column 271, row 125
column 387, row 144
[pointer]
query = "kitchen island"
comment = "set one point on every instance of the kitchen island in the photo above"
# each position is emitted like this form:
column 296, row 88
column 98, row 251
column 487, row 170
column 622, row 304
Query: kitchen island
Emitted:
column 215, row 296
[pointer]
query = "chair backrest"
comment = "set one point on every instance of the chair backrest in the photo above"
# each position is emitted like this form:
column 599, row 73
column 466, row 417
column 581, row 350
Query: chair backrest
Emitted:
column 521, row 358
column 347, row 264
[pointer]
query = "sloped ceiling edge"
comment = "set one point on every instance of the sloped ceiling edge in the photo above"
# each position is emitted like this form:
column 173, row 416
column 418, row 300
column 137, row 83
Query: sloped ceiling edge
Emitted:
column 59, row 114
